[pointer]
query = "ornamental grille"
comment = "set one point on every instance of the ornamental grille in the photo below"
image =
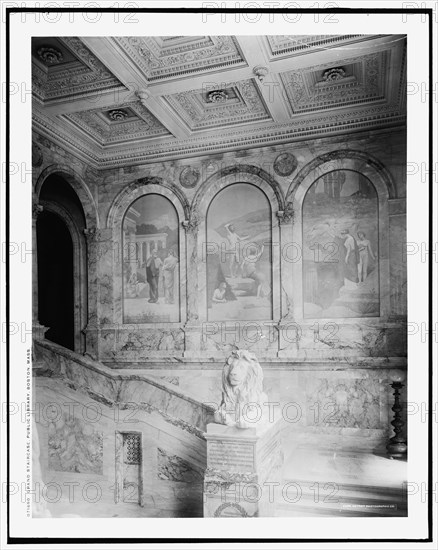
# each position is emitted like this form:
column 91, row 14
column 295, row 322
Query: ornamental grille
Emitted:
column 132, row 448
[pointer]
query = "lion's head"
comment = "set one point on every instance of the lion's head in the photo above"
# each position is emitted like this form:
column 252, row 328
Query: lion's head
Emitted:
column 242, row 377
column 242, row 385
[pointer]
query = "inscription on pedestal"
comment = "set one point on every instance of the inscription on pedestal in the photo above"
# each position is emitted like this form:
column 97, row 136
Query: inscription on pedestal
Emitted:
column 233, row 456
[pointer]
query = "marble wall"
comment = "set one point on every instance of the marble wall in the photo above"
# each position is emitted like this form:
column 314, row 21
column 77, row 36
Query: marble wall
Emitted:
column 284, row 174
column 345, row 361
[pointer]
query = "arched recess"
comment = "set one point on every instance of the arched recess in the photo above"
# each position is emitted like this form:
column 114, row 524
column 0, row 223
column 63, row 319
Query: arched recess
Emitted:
column 80, row 287
column 240, row 174
column 78, row 185
column 116, row 215
column 345, row 159
column 141, row 187
column 245, row 173
column 383, row 183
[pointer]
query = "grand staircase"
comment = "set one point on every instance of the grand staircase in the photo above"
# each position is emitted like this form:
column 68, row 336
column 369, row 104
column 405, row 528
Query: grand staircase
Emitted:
column 318, row 479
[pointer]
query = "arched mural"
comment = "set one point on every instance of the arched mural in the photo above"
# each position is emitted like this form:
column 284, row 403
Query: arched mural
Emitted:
column 239, row 255
column 151, row 261
column 340, row 247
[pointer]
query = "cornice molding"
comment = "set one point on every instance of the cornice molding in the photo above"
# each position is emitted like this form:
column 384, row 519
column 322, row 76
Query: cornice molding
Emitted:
column 259, row 137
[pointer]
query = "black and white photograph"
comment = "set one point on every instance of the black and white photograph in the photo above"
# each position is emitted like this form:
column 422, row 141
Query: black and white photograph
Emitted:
column 229, row 285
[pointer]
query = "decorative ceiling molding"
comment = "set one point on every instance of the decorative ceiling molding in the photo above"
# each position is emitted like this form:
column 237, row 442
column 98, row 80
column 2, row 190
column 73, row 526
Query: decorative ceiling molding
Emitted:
column 251, row 92
column 200, row 112
column 374, row 119
column 83, row 75
column 128, row 121
column 354, row 81
column 202, row 54
column 282, row 44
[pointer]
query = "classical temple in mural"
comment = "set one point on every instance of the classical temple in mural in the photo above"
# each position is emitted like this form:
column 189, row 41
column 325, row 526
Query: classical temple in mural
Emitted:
column 183, row 228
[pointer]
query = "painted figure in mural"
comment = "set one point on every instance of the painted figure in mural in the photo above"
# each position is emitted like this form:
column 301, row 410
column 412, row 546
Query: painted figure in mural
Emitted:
column 215, row 277
column 133, row 285
column 153, row 266
column 250, row 270
column 169, row 266
column 351, row 258
column 242, row 391
column 234, row 239
column 365, row 251
column 219, row 294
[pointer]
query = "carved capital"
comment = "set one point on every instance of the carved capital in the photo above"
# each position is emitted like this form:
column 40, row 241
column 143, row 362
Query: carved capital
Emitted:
column 91, row 234
column 191, row 225
column 287, row 215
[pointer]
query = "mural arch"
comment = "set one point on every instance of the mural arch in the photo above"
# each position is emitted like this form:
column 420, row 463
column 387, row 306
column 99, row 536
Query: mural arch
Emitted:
column 356, row 167
column 149, row 278
column 220, row 184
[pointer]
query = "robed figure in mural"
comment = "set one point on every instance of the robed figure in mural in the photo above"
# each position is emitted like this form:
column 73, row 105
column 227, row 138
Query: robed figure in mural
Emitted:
column 153, row 266
column 365, row 252
column 350, row 256
column 169, row 265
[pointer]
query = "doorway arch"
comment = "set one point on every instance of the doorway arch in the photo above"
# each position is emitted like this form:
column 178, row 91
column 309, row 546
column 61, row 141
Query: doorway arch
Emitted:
column 62, row 264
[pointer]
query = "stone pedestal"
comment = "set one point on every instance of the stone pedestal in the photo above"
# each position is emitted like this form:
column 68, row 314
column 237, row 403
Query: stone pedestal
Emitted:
column 243, row 471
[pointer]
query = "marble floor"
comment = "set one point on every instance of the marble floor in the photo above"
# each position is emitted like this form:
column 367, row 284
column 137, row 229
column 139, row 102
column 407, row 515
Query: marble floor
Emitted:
column 327, row 482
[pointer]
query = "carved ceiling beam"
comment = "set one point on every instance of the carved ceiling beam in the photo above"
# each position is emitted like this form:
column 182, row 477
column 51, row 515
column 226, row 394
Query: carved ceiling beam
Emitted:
column 133, row 78
column 163, row 113
column 99, row 100
column 200, row 81
column 268, row 84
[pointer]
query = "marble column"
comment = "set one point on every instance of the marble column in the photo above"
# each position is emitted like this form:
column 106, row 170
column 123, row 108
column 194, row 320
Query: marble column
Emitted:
column 91, row 330
column 192, row 328
column 110, row 268
column 397, row 257
column 291, row 254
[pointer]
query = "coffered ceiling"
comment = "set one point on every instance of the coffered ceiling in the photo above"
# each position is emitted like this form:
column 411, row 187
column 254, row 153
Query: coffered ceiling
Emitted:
column 128, row 100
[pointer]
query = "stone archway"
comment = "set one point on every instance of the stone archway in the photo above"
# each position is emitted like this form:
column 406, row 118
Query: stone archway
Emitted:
column 74, row 206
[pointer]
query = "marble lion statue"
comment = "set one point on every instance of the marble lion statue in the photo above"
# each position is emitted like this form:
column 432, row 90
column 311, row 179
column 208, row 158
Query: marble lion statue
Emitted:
column 242, row 391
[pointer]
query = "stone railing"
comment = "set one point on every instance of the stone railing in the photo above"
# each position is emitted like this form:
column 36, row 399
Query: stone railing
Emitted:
column 124, row 389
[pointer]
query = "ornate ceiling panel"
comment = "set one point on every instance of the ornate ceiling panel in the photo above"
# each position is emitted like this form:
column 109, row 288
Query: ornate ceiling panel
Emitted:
column 237, row 103
column 118, row 100
column 168, row 57
column 64, row 67
column 129, row 121
column 352, row 82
